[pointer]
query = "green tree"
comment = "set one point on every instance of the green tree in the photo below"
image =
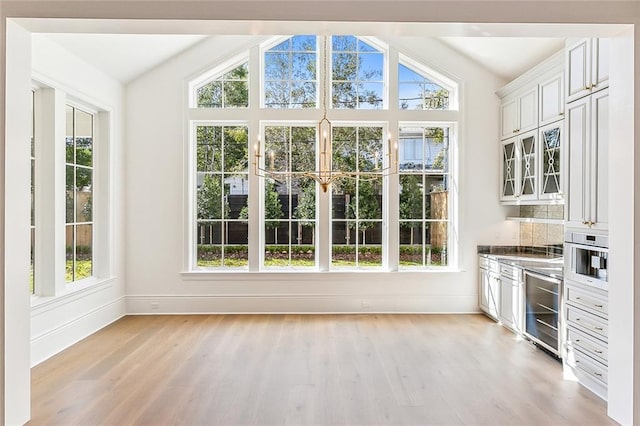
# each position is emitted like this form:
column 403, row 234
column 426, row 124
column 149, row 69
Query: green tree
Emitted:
column 272, row 208
column 350, row 88
column 229, row 90
column 211, row 204
column 305, row 211
column 367, row 206
column 410, row 201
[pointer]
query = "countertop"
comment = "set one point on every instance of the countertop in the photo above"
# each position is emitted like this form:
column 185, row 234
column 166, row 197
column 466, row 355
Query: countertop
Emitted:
column 548, row 263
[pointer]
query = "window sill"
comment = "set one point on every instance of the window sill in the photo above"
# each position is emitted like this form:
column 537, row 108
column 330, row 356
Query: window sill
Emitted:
column 72, row 291
column 293, row 275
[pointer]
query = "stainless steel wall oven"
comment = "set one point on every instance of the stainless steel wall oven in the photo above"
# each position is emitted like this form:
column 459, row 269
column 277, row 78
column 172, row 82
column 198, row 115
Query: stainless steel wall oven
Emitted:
column 586, row 259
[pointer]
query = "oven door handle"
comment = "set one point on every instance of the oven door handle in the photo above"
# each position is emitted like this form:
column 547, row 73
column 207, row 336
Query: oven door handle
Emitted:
column 587, row 247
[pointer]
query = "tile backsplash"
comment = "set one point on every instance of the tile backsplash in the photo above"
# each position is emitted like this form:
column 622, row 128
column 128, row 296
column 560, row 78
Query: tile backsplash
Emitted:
column 541, row 234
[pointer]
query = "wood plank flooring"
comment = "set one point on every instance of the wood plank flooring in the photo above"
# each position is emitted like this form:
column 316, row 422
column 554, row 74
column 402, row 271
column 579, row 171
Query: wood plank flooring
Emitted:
column 307, row 370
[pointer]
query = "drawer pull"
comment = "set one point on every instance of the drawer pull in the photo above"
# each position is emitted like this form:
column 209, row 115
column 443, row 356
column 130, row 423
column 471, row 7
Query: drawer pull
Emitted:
column 599, row 328
column 597, row 351
column 598, row 306
column 577, row 340
column 595, row 373
column 578, row 298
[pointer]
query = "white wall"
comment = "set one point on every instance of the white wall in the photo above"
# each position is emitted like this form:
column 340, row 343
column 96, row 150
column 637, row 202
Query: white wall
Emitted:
column 57, row 323
column 16, row 252
column 154, row 205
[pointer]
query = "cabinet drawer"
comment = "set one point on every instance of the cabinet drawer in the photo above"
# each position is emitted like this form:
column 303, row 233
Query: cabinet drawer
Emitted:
column 510, row 271
column 588, row 322
column 489, row 264
column 587, row 300
column 589, row 346
column 591, row 367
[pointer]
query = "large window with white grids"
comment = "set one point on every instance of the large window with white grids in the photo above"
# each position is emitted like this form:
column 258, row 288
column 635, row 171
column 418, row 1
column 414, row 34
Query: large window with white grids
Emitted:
column 258, row 147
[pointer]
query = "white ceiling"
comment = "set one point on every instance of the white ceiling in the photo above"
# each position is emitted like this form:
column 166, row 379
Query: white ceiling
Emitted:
column 125, row 49
column 507, row 57
column 125, row 56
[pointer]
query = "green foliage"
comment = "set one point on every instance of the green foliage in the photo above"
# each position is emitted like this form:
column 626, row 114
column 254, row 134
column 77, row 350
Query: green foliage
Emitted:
column 229, row 90
column 305, row 211
column 410, row 199
column 364, row 206
column 210, row 202
column 272, row 205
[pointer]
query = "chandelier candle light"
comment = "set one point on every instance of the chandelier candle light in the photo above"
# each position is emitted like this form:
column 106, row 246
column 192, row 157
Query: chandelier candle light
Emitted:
column 325, row 176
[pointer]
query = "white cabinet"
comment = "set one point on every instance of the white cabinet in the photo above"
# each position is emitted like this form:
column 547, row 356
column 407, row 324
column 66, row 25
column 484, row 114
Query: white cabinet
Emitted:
column 587, row 67
column 551, row 170
column 532, row 114
column 586, row 340
column 519, row 113
column 587, row 153
column 520, row 171
column 489, row 280
column 551, row 99
column 511, row 284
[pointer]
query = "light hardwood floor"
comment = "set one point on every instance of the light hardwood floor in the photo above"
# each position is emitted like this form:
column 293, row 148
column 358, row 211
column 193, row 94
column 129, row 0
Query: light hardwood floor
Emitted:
column 307, row 369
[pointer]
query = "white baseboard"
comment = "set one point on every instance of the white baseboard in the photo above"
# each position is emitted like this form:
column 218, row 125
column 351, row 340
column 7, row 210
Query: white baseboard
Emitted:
column 300, row 303
column 71, row 331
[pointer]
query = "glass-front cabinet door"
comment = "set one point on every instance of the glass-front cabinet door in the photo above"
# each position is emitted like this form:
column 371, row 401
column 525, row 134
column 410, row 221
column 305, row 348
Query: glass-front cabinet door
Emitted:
column 550, row 164
column 509, row 179
column 527, row 163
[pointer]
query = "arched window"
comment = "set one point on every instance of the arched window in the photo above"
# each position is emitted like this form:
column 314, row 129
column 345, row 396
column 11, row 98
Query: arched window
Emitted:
column 241, row 220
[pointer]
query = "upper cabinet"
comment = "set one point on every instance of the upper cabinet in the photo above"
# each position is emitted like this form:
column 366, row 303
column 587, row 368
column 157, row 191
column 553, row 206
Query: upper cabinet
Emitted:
column 519, row 114
column 531, row 130
column 552, row 99
column 587, row 66
column 588, row 158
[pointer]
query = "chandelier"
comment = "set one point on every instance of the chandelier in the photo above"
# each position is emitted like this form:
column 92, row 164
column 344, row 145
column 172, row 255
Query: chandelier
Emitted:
column 325, row 175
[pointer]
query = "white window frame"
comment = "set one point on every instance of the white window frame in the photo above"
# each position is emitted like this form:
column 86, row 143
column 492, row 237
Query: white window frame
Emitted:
column 256, row 117
column 51, row 102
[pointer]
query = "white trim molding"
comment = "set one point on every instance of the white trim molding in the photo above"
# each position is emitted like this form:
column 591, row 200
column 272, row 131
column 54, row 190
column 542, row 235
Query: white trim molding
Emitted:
column 301, row 303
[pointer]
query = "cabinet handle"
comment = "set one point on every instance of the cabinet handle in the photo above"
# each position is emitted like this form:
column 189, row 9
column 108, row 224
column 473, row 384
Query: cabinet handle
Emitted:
column 588, row 87
column 595, row 373
column 598, row 306
column 578, row 298
column 599, row 328
column 597, row 351
column 584, row 222
column 594, row 85
column 561, row 113
column 577, row 340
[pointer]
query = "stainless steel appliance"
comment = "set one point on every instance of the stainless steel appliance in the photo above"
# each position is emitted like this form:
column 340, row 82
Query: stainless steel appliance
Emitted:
column 586, row 259
column 543, row 298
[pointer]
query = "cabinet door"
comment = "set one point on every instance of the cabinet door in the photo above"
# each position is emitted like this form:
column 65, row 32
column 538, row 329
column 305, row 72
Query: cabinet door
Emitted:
column 552, row 100
column 578, row 67
column 599, row 209
column 550, row 172
column 483, row 294
column 511, row 303
column 494, row 295
column 508, row 176
column 489, row 293
column 508, row 118
column 527, row 151
column 528, row 110
column 576, row 150
column 599, row 64
column 506, row 302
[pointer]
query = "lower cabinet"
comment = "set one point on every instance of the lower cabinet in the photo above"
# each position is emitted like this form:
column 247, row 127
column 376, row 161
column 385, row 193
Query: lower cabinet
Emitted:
column 586, row 341
column 489, row 292
column 501, row 292
column 511, row 286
